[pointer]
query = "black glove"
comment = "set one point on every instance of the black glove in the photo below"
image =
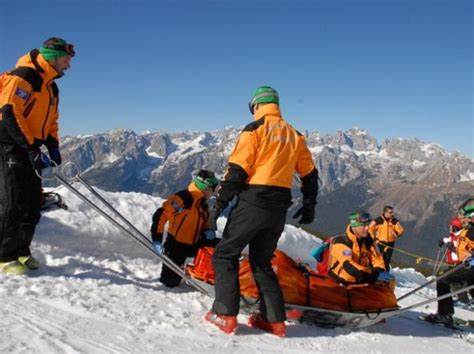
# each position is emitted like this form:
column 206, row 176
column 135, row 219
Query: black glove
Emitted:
column 307, row 214
column 38, row 160
column 156, row 236
column 441, row 242
column 451, row 247
column 55, row 155
column 394, row 221
column 214, row 214
column 53, row 150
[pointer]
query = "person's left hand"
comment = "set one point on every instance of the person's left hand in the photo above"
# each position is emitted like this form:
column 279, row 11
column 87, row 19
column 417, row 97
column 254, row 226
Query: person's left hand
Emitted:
column 307, row 214
column 209, row 234
column 385, row 277
column 214, row 214
column 55, row 155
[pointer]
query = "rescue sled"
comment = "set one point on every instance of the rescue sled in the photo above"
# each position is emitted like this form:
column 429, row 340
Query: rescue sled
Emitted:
column 309, row 297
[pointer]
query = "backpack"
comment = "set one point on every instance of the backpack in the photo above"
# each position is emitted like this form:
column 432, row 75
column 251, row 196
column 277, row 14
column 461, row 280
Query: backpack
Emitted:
column 322, row 256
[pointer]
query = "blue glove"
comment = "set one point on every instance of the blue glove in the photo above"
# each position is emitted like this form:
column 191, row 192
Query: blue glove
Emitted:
column 468, row 263
column 385, row 277
column 318, row 251
column 209, row 234
column 55, row 155
column 158, row 247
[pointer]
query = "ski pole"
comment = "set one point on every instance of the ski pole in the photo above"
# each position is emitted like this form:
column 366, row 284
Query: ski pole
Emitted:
column 111, row 208
column 445, row 274
column 148, row 246
column 91, row 189
column 452, row 293
column 440, row 263
column 436, row 262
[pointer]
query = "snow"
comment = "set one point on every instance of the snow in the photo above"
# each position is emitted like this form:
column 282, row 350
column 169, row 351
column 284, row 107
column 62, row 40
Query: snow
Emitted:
column 153, row 154
column 98, row 293
column 468, row 176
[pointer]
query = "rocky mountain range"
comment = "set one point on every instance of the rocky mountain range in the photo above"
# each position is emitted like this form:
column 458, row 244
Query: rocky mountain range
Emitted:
column 421, row 180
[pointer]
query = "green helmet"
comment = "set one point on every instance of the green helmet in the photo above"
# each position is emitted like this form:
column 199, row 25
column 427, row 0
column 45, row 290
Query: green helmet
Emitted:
column 264, row 94
column 206, row 179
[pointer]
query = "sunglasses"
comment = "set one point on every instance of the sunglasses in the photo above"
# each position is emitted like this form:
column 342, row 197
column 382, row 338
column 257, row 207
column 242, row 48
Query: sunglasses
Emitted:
column 67, row 47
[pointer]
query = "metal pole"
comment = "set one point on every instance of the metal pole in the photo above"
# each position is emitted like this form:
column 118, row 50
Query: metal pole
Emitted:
column 445, row 274
column 405, row 309
column 115, row 211
column 148, row 245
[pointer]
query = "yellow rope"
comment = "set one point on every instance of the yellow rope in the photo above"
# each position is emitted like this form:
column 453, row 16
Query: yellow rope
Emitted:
column 417, row 257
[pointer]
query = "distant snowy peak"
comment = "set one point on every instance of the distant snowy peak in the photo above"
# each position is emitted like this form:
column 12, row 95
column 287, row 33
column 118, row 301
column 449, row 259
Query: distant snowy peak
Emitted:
column 342, row 157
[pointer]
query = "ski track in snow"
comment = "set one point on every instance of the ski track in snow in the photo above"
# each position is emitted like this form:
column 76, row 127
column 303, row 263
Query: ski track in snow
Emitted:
column 99, row 293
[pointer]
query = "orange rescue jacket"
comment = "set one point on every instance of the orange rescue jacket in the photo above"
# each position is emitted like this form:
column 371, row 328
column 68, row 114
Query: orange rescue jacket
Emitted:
column 264, row 160
column 29, row 101
column 186, row 213
column 354, row 260
column 466, row 243
column 386, row 230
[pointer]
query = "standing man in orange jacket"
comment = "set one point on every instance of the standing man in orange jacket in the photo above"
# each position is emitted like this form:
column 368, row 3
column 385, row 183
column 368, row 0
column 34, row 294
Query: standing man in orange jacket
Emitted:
column 29, row 118
column 386, row 229
column 260, row 172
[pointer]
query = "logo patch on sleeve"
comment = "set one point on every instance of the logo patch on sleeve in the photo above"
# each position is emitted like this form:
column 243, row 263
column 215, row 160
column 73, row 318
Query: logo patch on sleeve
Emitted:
column 22, row 94
column 347, row 253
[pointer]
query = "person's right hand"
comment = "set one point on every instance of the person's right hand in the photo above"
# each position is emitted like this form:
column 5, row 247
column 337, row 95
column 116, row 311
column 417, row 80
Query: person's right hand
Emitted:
column 214, row 214
column 39, row 160
column 158, row 247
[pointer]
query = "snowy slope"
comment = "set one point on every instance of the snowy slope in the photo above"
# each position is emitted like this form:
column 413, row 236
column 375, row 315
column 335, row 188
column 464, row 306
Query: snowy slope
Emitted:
column 98, row 293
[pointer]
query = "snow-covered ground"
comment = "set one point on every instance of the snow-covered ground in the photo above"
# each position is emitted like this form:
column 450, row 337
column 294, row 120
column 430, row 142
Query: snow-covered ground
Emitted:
column 98, row 293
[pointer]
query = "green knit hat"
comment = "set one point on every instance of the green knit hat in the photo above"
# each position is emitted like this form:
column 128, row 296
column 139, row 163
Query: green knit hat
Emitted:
column 206, row 180
column 360, row 218
column 264, row 94
column 468, row 210
column 55, row 48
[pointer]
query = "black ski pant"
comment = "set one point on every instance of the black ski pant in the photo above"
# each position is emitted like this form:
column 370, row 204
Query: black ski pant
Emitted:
column 387, row 253
column 20, row 203
column 260, row 229
column 443, row 286
column 178, row 252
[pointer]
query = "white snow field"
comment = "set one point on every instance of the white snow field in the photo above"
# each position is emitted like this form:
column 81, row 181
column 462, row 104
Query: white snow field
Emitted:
column 98, row 293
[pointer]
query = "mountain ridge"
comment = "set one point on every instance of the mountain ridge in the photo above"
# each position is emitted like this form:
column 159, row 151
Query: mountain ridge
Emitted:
column 424, row 182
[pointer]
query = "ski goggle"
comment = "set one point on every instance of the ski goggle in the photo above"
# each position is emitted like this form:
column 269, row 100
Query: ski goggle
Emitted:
column 65, row 47
column 468, row 211
column 206, row 183
column 360, row 219
column 455, row 229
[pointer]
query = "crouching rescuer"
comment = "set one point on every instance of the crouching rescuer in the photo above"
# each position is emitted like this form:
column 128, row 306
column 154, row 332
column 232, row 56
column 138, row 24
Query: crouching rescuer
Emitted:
column 260, row 173
column 187, row 215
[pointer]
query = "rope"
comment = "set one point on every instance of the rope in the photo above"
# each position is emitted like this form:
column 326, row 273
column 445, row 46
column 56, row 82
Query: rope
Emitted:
column 418, row 258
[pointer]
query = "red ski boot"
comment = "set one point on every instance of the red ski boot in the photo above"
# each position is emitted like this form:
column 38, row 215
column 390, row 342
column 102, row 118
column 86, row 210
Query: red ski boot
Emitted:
column 227, row 324
column 277, row 328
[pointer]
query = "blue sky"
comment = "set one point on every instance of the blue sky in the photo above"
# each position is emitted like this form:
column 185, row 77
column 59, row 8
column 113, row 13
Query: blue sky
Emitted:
column 397, row 68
